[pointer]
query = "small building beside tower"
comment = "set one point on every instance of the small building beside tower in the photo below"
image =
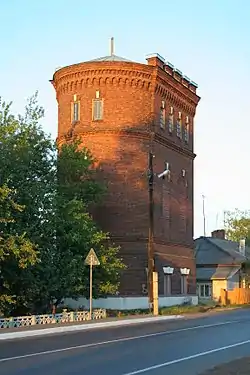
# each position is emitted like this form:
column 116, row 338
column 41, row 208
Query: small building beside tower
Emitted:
column 220, row 264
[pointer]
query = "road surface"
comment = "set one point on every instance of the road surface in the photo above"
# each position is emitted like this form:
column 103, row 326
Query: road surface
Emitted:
column 168, row 348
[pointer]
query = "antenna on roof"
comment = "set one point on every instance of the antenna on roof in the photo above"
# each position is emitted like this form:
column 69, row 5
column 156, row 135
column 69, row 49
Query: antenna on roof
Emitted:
column 217, row 218
column 112, row 46
column 204, row 215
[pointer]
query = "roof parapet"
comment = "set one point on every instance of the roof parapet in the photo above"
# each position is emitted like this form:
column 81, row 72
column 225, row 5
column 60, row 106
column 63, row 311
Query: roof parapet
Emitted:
column 177, row 74
column 154, row 59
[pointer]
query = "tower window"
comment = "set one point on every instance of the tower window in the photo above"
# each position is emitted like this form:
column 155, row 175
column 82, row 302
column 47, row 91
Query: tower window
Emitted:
column 162, row 115
column 97, row 109
column 171, row 120
column 179, row 126
column 75, row 111
column 186, row 130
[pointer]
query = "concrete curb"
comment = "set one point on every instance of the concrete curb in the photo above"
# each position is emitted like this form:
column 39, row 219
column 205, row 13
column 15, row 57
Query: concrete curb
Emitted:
column 85, row 327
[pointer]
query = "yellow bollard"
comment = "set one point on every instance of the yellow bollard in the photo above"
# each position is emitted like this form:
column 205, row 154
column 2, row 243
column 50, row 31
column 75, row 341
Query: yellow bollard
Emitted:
column 155, row 294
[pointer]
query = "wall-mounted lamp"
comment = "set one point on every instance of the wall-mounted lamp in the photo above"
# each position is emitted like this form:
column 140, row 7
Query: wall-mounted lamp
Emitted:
column 165, row 173
column 168, row 270
column 185, row 271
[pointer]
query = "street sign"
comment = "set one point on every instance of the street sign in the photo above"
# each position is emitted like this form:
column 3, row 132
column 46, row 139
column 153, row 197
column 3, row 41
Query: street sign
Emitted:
column 91, row 259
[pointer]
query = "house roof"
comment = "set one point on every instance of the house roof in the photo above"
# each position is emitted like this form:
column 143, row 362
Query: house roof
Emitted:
column 110, row 58
column 204, row 273
column 225, row 272
column 216, row 273
column 210, row 250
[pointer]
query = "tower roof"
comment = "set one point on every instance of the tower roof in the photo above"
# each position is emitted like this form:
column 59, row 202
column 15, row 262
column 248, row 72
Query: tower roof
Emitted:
column 112, row 56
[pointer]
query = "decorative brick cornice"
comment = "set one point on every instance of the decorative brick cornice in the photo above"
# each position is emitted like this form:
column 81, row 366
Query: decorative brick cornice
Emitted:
column 77, row 77
column 176, row 97
column 119, row 133
column 157, row 241
column 130, row 133
column 86, row 75
column 170, row 144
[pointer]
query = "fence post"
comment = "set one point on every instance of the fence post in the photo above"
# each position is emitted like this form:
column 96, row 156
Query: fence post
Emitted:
column 33, row 320
column 223, row 297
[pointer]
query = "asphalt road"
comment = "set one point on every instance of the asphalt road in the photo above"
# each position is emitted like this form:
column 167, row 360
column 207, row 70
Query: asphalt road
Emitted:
column 170, row 348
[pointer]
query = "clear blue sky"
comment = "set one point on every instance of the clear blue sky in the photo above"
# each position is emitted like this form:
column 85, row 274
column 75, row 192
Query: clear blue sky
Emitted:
column 207, row 40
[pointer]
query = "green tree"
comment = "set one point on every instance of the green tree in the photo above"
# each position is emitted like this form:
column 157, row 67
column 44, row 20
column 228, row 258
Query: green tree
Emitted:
column 57, row 190
column 238, row 225
column 238, row 228
column 76, row 230
column 62, row 273
column 16, row 250
column 28, row 158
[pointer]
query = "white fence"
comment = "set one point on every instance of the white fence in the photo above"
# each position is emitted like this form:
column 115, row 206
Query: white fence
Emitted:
column 130, row 303
column 64, row 317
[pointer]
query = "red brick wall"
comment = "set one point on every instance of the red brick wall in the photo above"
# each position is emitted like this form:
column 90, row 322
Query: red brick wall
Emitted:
column 122, row 166
column 176, row 256
column 162, row 93
column 174, row 197
column 132, row 94
column 135, row 255
column 126, row 89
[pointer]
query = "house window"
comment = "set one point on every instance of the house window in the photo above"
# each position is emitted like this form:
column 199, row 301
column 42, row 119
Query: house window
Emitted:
column 204, row 290
column 75, row 111
column 97, row 109
column 162, row 115
column 179, row 126
column 171, row 120
column 186, row 130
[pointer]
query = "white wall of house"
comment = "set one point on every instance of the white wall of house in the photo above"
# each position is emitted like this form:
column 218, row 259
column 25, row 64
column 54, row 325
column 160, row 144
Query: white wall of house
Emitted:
column 217, row 286
column 129, row 303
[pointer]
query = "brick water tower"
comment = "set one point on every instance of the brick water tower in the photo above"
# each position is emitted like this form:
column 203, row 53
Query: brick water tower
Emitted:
column 124, row 112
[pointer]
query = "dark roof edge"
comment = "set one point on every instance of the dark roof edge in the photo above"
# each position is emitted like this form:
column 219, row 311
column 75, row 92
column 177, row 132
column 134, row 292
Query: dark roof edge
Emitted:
column 223, row 250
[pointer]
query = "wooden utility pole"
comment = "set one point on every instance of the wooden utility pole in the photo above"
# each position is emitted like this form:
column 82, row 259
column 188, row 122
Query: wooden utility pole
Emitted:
column 151, row 230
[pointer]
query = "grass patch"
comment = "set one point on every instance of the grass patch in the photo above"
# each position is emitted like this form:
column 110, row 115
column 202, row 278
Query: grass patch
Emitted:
column 125, row 313
column 182, row 309
column 174, row 310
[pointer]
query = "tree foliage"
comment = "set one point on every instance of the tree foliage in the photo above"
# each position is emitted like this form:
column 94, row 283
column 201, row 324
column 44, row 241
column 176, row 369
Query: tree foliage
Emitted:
column 16, row 250
column 45, row 199
column 238, row 225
